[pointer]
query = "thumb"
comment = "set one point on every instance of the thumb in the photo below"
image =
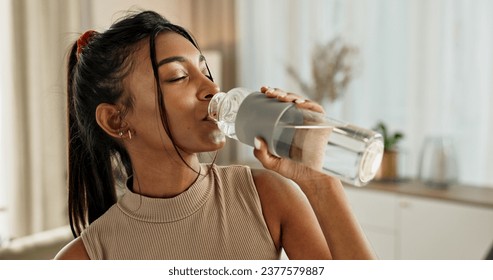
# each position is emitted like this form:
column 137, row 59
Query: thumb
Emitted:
column 262, row 153
column 283, row 166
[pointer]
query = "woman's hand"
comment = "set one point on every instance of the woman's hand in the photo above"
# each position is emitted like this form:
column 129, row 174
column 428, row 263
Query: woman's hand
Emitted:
column 308, row 145
column 291, row 97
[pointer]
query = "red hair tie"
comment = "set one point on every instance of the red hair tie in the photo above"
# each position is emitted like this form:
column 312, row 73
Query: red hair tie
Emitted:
column 83, row 40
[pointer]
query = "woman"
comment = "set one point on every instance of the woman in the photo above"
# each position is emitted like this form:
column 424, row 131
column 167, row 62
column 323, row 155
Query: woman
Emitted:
column 137, row 98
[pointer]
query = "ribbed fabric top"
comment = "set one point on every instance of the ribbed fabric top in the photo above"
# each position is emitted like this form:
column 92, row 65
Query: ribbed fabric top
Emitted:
column 218, row 217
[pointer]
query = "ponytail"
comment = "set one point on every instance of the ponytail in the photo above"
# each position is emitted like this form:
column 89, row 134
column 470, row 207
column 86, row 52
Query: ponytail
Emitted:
column 90, row 175
column 76, row 207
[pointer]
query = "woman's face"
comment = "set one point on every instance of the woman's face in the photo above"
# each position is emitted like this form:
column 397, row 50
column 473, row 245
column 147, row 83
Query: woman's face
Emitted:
column 186, row 88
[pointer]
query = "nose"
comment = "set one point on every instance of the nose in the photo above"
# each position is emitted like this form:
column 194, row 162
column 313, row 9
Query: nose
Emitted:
column 211, row 94
column 208, row 90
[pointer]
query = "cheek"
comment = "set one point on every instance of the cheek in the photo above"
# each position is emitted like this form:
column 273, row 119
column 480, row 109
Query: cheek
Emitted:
column 181, row 124
column 180, row 113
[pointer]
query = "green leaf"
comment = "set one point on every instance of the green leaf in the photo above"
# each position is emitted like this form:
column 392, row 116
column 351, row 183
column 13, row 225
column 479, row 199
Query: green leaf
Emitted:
column 389, row 141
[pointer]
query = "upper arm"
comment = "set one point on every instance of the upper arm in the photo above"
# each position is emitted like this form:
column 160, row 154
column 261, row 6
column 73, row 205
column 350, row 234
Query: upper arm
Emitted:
column 290, row 217
column 75, row 250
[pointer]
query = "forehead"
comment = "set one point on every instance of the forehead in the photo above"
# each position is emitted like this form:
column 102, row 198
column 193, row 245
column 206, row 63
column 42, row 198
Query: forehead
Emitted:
column 167, row 44
column 172, row 44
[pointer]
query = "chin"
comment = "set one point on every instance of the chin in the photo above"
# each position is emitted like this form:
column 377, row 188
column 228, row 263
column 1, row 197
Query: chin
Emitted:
column 217, row 145
column 221, row 145
column 218, row 138
column 214, row 144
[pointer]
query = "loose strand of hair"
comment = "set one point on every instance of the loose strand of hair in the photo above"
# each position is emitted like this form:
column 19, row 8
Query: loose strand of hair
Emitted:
column 159, row 95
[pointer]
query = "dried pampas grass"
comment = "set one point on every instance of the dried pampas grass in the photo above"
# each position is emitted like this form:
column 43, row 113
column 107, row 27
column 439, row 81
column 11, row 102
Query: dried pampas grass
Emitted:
column 332, row 71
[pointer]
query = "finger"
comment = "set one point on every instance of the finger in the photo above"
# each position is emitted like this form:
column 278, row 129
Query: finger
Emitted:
column 291, row 97
column 309, row 105
column 273, row 92
column 270, row 91
column 280, row 94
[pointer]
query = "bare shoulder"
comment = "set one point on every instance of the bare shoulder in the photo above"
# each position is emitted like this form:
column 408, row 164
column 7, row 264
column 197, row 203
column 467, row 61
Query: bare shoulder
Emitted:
column 278, row 195
column 265, row 178
column 272, row 186
column 75, row 250
column 290, row 217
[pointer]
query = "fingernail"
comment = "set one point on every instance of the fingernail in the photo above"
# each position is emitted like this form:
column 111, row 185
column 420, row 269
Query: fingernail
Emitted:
column 269, row 90
column 299, row 101
column 257, row 143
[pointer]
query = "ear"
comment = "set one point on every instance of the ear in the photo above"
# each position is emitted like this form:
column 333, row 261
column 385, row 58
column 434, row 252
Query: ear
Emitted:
column 108, row 117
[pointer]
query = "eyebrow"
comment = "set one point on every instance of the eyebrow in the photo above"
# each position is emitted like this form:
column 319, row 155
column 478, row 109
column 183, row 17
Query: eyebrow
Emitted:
column 180, row 59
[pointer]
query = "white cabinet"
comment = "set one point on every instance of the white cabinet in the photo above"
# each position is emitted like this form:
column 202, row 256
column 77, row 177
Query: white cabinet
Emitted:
column 401, row 226
column 376, row 213
column 435, row 229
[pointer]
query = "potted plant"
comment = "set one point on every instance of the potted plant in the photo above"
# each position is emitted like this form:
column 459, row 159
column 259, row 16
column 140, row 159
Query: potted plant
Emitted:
column 389, row 168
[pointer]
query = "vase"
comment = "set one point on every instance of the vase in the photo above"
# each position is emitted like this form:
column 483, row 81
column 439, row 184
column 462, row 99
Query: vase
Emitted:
column 438, row 166
column 389, row 168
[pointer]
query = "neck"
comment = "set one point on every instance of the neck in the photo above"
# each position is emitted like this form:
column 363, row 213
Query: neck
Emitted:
column 164, row 179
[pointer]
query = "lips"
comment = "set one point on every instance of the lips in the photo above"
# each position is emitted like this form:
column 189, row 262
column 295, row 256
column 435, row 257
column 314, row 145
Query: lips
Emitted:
column 208, row 118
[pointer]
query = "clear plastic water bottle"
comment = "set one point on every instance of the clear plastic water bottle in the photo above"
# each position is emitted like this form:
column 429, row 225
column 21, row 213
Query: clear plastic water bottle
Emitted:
column 348, row 152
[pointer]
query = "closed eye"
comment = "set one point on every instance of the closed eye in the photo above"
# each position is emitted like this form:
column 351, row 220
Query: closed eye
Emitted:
column 177, row 79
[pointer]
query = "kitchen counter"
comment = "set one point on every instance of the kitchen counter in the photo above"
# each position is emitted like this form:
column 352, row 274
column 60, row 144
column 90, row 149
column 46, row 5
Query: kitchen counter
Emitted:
column 477, row 196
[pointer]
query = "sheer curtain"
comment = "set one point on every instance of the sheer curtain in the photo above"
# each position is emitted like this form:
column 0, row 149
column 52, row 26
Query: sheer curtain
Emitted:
column 6, row 139
column 36, row 190
column 425, row 67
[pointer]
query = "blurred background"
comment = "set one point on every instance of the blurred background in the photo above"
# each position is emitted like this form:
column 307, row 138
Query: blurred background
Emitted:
column 419, row 68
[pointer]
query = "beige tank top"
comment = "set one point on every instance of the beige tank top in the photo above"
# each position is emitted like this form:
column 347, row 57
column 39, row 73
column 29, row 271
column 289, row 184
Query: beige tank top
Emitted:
column 218, row 217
